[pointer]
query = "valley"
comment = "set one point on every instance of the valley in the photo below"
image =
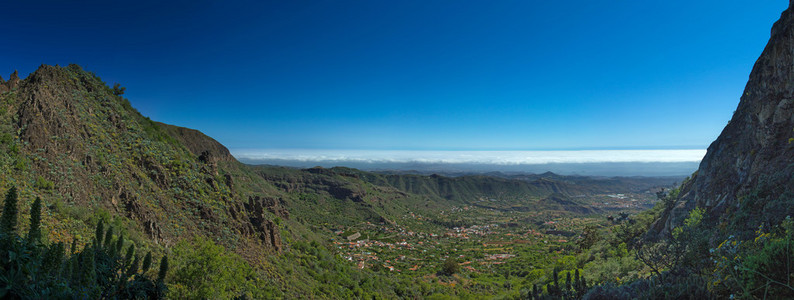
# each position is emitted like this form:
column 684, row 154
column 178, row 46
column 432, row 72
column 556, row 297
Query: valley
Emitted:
column 102, row 202
column 499, row 245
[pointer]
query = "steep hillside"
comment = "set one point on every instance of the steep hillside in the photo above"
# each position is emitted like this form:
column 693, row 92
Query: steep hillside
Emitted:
column 75, row 142
column 560, row 202
column 71, row 138
column 748, row 171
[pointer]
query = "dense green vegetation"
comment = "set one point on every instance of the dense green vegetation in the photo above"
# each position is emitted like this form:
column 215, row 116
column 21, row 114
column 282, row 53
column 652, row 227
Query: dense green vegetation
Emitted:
column 31, row 268
column 204, row 270
column 701, row 258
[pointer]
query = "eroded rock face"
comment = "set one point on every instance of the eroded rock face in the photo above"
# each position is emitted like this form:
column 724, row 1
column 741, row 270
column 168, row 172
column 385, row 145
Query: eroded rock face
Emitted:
column 13, row 81
column 755, row 151
column 267, row 230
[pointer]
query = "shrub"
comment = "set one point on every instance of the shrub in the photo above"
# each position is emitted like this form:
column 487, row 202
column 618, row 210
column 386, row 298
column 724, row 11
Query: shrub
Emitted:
column 44, row 184
column 204, row 270
column 450, row 267
column 118, row 90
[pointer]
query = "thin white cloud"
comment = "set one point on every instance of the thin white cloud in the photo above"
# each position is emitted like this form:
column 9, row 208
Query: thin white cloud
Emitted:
column 473, row 157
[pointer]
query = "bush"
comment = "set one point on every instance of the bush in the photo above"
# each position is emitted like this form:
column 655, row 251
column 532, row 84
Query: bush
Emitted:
column 204, row 270
column 118, row 90
column 450, row 267
column 44, row 184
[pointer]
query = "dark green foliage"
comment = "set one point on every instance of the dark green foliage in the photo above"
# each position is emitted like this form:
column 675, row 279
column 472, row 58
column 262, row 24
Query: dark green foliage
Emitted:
column 130, row 255
column 204, row 270
column 8, row 221
column 450, row 266
column 590, row 236
column 147, row 263
column 579, row 285
column 119, row 245
column 133, row 268
column 692, row 262
column 30, row 269
column 554, row 289
column 574, row 287
column 34, row 232
column 118, row 90
column 757, row 268
column 108, row 237
column 44, row 184
column 682, row 287
column 163, row 269
column 100, row 228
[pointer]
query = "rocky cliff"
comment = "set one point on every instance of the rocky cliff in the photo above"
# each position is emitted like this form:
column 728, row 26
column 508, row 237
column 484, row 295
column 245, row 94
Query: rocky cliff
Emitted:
column 747, row 172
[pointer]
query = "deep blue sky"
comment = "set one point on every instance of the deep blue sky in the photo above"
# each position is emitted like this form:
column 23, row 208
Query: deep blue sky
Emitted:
column 434, row 75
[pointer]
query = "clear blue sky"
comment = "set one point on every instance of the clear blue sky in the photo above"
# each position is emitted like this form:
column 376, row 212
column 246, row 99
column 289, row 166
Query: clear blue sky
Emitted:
column 432, row 75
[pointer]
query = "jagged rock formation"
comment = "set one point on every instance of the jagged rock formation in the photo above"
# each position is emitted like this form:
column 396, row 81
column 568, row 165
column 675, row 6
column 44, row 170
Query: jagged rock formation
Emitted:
column 754, row 154
column 12, row 83
column 266, row 229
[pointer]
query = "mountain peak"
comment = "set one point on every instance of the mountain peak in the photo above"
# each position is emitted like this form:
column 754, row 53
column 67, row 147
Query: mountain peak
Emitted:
column 755, row 151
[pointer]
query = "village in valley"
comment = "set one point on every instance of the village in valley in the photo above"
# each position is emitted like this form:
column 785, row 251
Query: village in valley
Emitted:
column 483, row 238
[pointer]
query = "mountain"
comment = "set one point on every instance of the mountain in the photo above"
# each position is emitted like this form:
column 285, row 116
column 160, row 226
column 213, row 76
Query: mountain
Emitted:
column 726, row 232
column 522, row 192
column 748, row 171
column 71, row 138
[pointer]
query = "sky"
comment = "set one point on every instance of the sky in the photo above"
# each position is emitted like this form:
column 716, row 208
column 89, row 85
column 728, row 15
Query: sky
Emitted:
column 412, row 75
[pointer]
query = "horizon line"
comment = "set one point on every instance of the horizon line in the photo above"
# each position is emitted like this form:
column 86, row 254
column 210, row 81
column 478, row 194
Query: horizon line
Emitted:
column 498, row 157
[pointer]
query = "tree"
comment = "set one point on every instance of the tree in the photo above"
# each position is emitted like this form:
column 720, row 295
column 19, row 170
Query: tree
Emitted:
column 8, row 221
column 34, row 233
column 118, row 90
column 590, row 236
column 450, row 266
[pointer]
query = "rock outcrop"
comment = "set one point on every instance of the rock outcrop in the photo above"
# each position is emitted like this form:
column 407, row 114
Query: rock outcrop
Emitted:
column 267, row 230
column 12, row 83
column 198, row 143
column 754, row 154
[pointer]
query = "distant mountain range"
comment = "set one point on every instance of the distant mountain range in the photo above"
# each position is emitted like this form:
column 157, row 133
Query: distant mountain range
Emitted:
column 679, row 169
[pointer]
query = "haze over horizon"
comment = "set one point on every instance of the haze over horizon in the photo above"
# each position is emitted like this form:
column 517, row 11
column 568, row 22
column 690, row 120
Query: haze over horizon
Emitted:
column 678, row 162
column 413, row 75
